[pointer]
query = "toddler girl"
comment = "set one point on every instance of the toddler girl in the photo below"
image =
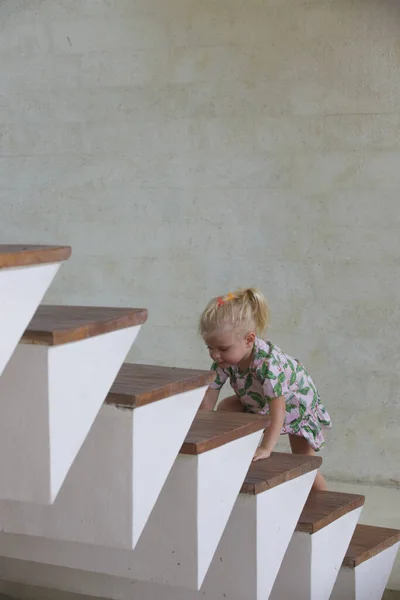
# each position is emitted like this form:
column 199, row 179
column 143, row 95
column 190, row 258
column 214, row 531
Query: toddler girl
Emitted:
column 265, row 379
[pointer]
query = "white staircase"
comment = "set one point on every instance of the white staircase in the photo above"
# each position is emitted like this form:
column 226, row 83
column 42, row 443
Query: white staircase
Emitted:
column 128, row 454
column 53, row 387
column 318, row 546
column 25, row 274
column 113, row 485
column 367, row 564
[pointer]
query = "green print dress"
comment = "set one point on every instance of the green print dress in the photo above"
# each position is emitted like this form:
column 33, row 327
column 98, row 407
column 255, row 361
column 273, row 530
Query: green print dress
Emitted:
column 271, row 374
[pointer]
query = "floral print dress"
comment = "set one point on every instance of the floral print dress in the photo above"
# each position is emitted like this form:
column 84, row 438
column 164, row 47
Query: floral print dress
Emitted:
column 271, row 374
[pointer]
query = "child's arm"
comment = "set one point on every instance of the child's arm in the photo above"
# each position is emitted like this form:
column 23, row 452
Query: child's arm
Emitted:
column 210, row 399
column 277, row 408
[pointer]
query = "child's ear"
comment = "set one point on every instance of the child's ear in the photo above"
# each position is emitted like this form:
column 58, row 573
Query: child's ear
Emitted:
column 250, row 339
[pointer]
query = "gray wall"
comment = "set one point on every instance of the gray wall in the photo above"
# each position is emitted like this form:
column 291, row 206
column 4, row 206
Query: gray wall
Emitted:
column 185, row 147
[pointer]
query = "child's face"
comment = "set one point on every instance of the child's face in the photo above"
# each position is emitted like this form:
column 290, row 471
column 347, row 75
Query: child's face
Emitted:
column 228, row 348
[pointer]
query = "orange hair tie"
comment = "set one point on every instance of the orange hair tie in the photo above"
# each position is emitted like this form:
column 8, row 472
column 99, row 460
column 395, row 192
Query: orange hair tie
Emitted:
column 229, row 298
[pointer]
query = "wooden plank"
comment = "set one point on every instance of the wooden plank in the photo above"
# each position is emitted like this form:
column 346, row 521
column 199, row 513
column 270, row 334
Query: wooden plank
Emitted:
column 279, row 468
column 368, row 541
column 323, row 508
column 137, row 385
column 18, row 255
column 214, row 429
column 53, row 325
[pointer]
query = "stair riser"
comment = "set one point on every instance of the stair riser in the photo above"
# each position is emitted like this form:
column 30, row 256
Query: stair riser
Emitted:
column 52, row 395
column 183, row 531
column 367, row 581
column 312, row 561
column 21, row 291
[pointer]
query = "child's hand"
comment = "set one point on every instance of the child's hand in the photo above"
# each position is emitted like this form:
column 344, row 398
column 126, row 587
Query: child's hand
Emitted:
column 261, row 453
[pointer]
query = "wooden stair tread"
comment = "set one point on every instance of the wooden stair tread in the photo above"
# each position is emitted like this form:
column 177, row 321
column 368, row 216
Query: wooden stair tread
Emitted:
column 277, row 469
column 212, row 429
column 137, row 385
column 19, row 255
column 368, row 541
column 323, row 508
column 53, row 325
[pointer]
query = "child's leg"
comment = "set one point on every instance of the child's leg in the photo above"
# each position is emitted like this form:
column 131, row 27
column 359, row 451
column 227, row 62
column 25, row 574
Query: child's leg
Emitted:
column 230, row 404
column 299, row 445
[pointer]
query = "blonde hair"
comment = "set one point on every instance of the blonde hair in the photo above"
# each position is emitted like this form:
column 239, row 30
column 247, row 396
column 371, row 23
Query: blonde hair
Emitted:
column 244, row 309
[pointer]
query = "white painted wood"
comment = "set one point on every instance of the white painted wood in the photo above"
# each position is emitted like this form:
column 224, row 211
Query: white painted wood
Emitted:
column 51, row 395
column 174, row 548
column 367, row 581
column 312, row 561
column 115, row 480
column 246, row 571
column 21, row 291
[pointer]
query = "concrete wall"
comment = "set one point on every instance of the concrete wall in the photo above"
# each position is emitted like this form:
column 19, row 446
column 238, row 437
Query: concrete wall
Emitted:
column 185, row 147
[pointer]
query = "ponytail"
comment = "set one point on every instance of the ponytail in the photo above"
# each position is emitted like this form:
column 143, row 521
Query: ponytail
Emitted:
column 260, row 309
column 244, row 309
